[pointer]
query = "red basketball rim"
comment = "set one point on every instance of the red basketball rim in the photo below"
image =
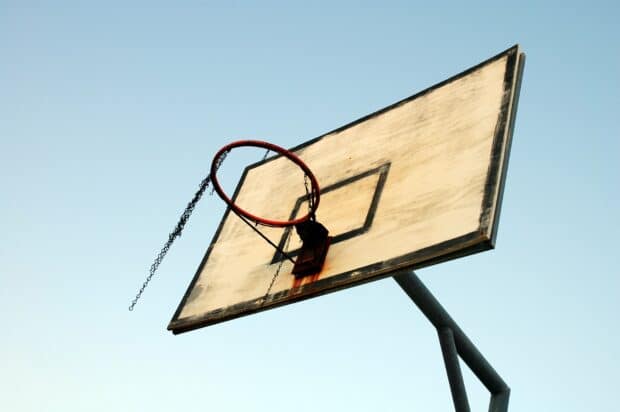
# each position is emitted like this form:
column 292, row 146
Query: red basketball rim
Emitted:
column 274, row 148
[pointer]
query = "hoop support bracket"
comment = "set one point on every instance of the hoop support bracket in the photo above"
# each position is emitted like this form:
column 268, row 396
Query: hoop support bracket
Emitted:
column 316, row 241
column 455, row 343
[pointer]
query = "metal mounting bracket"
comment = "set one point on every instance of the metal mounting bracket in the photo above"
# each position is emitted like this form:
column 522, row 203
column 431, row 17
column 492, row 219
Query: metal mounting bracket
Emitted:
column 315, row 243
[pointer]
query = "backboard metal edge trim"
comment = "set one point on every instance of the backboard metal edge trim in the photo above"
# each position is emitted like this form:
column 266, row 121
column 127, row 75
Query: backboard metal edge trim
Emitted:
column 507, row 150
column 461, row 246
column 497, row 146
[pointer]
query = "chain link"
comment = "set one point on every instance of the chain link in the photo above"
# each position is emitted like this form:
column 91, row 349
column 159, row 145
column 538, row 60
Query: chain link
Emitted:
column 218, row 163
column 310, row 198
column 177, row 231
column 277, row 273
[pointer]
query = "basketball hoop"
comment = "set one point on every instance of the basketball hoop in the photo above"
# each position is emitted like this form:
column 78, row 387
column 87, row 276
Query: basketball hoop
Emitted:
column 313, row 196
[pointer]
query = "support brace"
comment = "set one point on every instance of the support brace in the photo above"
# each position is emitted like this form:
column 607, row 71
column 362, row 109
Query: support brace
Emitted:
column 455, row 343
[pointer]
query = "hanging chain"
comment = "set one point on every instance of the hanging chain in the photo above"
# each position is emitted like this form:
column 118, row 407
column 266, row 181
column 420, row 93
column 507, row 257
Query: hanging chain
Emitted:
column 288, row 240
column 177, row 231
column 277, row 273
column 264, row 157
column 310, row 198
column 185, row 217
column 217, row 166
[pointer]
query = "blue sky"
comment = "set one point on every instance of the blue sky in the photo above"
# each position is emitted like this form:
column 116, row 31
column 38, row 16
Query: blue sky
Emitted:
column 110, row 113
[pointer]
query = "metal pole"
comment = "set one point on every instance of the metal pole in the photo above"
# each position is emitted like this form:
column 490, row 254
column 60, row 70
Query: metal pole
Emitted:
column 453, row 369
column 440, row 318
column 499, row 401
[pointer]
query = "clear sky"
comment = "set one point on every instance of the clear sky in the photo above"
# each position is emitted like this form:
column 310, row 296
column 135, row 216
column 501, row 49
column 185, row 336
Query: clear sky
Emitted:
column 110, row 113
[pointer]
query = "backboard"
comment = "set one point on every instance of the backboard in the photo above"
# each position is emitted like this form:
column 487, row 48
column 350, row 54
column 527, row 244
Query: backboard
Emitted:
column 416, row 183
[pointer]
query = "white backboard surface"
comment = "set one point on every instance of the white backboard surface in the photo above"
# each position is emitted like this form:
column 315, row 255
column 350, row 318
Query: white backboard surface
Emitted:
column 414, row 184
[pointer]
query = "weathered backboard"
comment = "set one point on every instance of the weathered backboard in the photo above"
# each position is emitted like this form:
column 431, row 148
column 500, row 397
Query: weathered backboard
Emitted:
column 413, row 184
